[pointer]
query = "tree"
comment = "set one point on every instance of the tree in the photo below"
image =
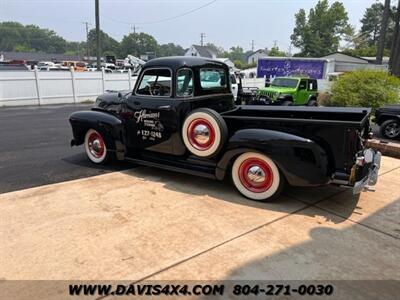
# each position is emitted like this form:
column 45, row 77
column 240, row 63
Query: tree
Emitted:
column 170, row 49
column 321, row 32
column 15, row 36
column 235, row 53
column 276, row 52
column 394, row 62
column 382, row 34
column 75, row 48
column 371, row 23
column 137, row 44
column 108, row 44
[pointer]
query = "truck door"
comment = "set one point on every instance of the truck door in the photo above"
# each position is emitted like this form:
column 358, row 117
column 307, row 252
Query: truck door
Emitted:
column 152, row 111
column 302, row 93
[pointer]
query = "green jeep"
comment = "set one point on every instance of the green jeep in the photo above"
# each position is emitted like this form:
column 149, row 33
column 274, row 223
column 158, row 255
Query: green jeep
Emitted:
column 290, row 91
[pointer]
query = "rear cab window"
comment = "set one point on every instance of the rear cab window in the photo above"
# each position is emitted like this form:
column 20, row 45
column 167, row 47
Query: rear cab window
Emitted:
column 213, row 79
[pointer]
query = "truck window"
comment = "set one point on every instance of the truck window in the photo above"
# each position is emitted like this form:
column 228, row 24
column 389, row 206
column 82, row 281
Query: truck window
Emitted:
column 285, row 82
column 212, row 79
column 303, row 84
column 312, row 85
column 155, row 82
column 184, row 83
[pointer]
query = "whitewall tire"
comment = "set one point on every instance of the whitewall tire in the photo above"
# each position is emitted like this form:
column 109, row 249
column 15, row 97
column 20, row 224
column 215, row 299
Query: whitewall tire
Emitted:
column 256, row 176
column 204, row 132
column 95, row 147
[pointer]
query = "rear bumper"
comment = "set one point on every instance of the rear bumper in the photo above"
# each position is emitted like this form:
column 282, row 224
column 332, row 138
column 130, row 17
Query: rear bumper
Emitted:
column 372, row 160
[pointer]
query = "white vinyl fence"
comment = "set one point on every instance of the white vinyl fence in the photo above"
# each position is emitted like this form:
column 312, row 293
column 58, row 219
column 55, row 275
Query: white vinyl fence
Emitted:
column 42, row 87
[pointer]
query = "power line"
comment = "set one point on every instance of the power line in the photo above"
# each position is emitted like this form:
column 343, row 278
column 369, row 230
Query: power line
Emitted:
column 162, row 20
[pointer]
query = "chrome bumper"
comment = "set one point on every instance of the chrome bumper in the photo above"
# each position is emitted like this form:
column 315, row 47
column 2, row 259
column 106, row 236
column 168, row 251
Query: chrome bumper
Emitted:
column 373, row 158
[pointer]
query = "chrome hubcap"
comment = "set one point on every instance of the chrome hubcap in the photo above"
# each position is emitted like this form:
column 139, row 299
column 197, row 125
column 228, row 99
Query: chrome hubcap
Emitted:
column 392, row 130
column 256, row 174
column 201, row 134
column 96, row 145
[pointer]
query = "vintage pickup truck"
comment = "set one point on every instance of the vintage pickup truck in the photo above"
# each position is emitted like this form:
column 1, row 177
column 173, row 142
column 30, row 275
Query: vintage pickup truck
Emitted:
column 181, row 116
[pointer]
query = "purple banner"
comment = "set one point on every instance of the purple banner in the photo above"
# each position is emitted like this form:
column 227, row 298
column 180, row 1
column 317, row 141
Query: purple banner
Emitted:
column 285, row 67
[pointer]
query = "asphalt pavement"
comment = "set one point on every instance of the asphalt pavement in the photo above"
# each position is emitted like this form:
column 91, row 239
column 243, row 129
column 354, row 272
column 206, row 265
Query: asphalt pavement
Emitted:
column 35, row 148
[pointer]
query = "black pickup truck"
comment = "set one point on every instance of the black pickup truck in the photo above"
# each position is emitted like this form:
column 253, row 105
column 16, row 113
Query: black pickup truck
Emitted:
column 181, row 116
column 388, row 120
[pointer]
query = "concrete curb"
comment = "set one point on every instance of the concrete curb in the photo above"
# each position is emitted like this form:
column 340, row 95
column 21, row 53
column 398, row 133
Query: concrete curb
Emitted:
column 386, row 148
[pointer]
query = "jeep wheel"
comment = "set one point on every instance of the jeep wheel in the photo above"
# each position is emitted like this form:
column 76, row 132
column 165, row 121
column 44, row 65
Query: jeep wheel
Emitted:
column 312, row 103
column 256, row 176
column 390, row 129
column 287, row 103
column 95, row 147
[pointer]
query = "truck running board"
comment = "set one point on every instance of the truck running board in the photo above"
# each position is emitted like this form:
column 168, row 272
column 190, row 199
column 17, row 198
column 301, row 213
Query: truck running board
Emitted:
column 176, row 166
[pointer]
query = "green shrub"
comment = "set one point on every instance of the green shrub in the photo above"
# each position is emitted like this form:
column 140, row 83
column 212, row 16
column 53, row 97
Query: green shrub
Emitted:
column 324, row 99
column 367, row 88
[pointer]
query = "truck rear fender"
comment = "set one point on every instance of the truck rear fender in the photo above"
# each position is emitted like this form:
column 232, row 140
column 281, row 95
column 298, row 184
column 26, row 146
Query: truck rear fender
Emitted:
column 108, row 125
column 301, row 161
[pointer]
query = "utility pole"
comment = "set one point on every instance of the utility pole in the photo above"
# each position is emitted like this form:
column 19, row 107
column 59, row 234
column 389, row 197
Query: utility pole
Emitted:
column 290, row 50
column 134, row 28
column 382, row 34
column 87, row 38
column 202, row 36
column 252, row 45
column 97, row 12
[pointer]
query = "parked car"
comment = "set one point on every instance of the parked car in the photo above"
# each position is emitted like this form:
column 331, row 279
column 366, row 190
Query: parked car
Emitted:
column 53, row 68
column 78, row 66
column 388, row 119
column 290, row 91
column 175, row 119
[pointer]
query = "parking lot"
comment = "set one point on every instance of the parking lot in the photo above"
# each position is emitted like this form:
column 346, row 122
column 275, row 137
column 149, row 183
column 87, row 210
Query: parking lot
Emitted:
column 62, row 218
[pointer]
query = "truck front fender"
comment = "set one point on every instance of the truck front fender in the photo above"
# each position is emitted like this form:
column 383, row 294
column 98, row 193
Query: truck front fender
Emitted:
column 108, row 125
column 301, row 161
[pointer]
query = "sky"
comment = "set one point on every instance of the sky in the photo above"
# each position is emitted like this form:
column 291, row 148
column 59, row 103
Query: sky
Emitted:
column 225, row 23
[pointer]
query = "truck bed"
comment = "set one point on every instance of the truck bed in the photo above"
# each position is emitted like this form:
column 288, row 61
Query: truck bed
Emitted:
column 336, row 129
column 352, row 116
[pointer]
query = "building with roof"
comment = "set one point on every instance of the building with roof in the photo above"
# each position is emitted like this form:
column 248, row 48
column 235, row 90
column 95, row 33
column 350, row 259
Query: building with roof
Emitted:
column 253, row 57
column 201, row 51
column 345, row 62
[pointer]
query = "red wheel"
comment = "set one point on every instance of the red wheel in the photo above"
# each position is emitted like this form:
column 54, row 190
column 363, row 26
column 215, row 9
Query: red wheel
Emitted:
column 95, row 146
column 204, row 132
column 256, row 176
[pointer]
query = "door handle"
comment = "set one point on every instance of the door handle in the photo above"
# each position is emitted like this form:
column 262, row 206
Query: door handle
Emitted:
column 164, row 107
column 136, row 103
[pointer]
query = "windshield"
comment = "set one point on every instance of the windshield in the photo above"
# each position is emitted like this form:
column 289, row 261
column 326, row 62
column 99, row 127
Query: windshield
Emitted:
column 285, row 82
